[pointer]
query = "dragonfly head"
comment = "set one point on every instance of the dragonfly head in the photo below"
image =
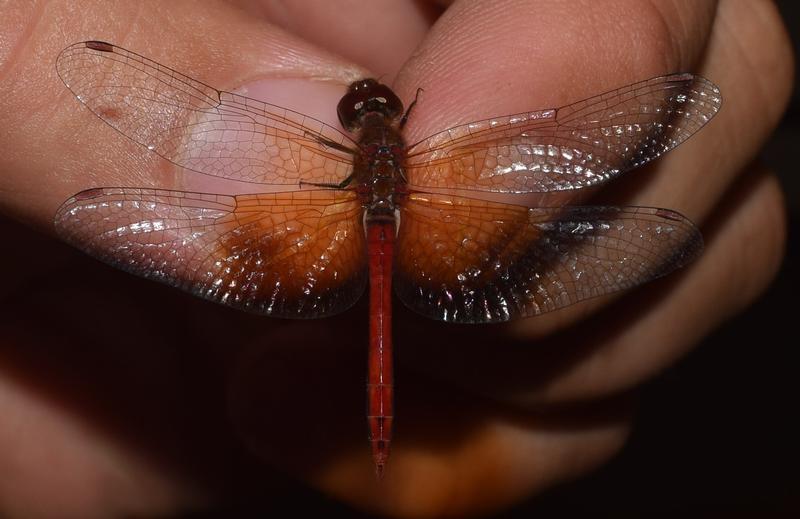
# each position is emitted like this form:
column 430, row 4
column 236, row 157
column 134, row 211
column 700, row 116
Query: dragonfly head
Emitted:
column 365, row 96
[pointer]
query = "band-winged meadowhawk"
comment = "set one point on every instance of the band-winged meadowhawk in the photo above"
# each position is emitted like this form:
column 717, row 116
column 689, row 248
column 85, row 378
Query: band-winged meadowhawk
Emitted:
column 331, row 213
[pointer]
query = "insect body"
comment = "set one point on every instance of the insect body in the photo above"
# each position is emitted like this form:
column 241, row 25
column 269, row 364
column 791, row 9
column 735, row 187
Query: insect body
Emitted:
column 371, row 210
column 373, row 109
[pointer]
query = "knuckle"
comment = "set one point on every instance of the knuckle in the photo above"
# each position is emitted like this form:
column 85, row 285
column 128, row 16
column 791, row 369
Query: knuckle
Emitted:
column 762, row 232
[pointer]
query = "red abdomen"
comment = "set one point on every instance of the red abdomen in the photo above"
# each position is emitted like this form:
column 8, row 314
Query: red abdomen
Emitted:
column 380, row 383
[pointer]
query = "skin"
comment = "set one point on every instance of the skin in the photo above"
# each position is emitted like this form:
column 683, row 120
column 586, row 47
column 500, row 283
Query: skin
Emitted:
column 122, row 397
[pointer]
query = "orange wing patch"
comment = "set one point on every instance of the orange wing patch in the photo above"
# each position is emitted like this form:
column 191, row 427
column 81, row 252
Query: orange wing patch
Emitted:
column 296, row 255
column 467, row 260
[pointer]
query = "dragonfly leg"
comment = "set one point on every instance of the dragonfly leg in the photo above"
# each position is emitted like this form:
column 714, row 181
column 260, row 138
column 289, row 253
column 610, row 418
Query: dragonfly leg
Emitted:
column 336, row 146
column 404, row 119
column 402, row 173
column 341, row 185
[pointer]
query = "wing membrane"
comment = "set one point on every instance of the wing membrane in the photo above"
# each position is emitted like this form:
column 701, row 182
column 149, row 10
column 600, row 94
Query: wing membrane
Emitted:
column 198, row 127
column 575, row 146
column 472, row 261
column 293, row 255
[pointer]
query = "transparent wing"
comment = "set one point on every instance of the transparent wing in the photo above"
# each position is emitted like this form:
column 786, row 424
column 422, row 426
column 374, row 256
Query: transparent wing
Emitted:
column 199, row 127
column 295, row 255
column 472, row 261
column 575, row 146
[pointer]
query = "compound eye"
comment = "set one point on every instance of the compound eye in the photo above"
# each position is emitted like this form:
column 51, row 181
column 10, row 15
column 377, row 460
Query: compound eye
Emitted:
column 347, row 111
column 386, row 101
column 367, row 95
column 353, row 102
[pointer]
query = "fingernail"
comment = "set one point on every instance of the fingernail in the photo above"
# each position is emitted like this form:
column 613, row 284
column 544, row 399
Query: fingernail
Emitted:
column 232, row 171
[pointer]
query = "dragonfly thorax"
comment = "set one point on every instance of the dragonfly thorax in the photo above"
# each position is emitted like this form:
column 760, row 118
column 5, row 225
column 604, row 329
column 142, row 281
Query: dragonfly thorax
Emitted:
column 379, row 168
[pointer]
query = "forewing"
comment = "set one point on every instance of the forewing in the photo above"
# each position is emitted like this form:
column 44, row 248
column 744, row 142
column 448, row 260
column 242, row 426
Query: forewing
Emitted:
column 575, row 146
column 294, row 255
column 199, row 127
column 472, row 261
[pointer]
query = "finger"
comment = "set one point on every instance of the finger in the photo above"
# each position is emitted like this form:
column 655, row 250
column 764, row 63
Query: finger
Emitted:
column 706, row 164
column 59, row 148
column 749, row 57
column 379, row 36
column 756, row 93
column 480, row 61
column 744, row 251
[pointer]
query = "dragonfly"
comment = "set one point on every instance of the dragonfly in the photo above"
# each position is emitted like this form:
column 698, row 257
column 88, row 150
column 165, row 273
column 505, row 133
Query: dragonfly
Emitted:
column 333, row 212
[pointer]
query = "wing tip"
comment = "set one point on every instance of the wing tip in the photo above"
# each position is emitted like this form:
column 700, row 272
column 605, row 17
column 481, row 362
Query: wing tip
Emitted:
column 703, row 87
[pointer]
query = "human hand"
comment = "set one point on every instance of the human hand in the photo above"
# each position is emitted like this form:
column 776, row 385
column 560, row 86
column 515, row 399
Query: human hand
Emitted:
column 117, row 381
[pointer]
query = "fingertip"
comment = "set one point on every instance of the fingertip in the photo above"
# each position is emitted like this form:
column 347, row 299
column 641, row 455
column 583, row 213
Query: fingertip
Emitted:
column 377, row 35
column 487, row 59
